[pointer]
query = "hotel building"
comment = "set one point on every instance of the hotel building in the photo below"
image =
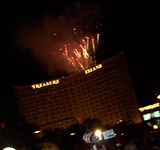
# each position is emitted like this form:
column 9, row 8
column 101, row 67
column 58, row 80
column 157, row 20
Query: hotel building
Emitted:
column 104, row 91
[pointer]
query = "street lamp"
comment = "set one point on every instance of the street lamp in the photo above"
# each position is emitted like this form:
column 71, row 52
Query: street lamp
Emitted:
column 155, row 126
column 72, row 134
column 36, row 132
column 98, row 133
column 9, row 148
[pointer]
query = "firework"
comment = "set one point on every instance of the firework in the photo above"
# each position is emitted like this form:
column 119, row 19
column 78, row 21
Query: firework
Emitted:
column 93, row 45
column 66, row 50
column 80, row 56
column 84, row 42
column 84, row 51
column 80, row 64
column 97, row 39
column 87, row 43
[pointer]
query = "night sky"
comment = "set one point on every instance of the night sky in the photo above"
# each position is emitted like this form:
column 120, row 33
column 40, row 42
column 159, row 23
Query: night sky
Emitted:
column 28, row 42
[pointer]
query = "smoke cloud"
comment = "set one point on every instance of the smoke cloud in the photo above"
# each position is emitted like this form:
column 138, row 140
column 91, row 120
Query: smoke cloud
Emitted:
column 47, row 34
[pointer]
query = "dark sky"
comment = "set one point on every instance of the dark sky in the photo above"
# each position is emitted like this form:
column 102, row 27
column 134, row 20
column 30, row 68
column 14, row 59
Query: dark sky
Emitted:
column 27, row 41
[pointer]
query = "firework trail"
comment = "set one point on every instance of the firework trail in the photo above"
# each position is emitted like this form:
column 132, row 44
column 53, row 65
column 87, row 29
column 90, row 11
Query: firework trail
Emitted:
column 78, row 54
column 66, row 50
column 83, row 56
column 84, row 51
column 97, row 39
column 80, row 64
column 93, row 45
column 94, row 51
column 84, row 42
column 87, row 43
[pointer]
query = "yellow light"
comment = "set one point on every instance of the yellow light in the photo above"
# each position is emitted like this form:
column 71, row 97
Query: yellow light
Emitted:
column 98, row 133
column 122, row 133
column 45, row 84
column 72, row 133
column 158, row 97
column 9, row 148
column 93, row 69
column 155, row 127
column 36, row 132
column 149, row 107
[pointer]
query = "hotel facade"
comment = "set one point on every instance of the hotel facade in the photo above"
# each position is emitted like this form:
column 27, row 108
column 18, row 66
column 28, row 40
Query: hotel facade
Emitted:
column 104, row 91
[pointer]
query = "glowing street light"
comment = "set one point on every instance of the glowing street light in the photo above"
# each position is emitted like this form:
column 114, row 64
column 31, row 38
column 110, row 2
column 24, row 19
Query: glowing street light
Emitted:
column 98, row 133
column 9, row 148
column 36, row 132
column 122, row 133
column 72, row 134
column 155, row 127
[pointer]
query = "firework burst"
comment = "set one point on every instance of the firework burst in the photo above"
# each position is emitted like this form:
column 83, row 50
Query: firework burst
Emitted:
column 79, row 57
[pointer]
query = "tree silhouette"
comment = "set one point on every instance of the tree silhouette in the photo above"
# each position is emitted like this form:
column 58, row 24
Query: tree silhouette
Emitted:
column 63, row 138
column 93, row 124
column 55, row 136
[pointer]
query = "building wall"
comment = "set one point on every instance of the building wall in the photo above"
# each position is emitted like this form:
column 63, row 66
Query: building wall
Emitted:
column 105, row 92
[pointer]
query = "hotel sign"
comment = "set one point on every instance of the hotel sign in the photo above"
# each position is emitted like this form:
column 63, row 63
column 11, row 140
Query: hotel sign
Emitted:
column 35, row 86
column 149, row 107
column 93, row 69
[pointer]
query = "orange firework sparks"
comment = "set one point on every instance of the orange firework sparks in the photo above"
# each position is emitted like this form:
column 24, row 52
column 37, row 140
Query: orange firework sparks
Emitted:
column 97, row 39
column 94, row 50
column 85, row 54
column 71, row 61
column 66, row 50
column 80, row 64
column 84, row 42
column 87, row 43
column 80, row 56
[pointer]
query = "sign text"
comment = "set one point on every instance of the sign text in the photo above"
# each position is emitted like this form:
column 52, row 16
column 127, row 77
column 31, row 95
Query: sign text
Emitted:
column 35, row 86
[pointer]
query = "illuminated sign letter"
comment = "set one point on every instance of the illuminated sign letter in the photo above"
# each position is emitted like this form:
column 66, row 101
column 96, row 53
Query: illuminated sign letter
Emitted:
column 47, row 83
column 33, row 86
column 94, row 68
column 44, row 84
column 40, row 85
column 100, row 65
column 86, row 72
column 37, row 86
column 57, row 81
column 97, row 67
